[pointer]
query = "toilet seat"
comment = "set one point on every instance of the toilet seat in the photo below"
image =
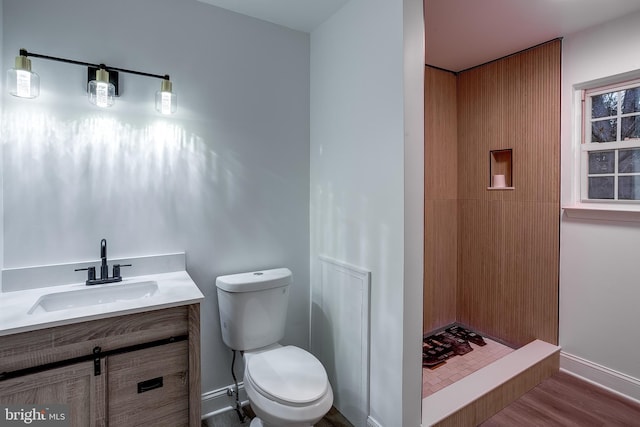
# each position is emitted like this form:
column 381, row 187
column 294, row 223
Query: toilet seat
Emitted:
column 288, row 375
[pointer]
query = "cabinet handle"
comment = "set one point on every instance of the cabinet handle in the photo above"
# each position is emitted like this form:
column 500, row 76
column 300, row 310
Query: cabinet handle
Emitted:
column 149, row 384
column 96, row 361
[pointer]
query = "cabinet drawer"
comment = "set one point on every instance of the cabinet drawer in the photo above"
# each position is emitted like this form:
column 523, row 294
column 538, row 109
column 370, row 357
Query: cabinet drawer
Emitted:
column 27, row 349
column 149, row 387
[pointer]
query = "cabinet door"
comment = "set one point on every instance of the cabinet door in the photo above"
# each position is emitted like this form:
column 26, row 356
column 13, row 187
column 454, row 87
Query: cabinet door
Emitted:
column 149, row 387
column 74, row 385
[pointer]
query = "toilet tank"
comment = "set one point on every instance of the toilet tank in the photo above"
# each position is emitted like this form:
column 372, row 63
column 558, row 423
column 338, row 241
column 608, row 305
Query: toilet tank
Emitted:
column 253, row 307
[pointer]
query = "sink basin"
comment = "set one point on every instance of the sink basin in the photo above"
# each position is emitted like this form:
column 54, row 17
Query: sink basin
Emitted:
column 94, row 296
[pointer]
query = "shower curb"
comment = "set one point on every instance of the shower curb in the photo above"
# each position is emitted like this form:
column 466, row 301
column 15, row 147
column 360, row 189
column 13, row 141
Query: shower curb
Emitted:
column 478, row 396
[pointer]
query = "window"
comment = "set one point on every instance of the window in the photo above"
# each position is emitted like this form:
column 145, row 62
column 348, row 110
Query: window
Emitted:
column 610, row 157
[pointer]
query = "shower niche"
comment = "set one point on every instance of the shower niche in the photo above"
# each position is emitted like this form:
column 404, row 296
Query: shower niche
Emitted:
column 501, row 169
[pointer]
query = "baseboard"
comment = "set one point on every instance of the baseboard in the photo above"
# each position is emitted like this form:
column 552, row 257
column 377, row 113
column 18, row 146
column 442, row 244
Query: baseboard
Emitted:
column 217, row 401
column 372, row 422
column 616, row 382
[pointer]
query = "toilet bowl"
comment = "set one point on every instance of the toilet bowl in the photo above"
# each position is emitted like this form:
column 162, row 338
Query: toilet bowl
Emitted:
column 286, row 385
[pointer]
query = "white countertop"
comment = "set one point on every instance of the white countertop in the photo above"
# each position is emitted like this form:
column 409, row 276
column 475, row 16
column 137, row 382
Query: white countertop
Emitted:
column 174, row 289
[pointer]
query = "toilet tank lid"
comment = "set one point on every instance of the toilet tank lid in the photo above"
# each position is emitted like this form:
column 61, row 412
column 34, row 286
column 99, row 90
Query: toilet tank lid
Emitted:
column 255, row 280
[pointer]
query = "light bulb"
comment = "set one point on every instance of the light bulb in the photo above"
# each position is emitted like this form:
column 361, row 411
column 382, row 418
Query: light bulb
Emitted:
column 101, row 92
column 21, row 81
column 166, row 100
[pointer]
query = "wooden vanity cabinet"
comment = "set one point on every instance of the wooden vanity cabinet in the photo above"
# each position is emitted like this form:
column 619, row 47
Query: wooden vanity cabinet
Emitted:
column 147, row 370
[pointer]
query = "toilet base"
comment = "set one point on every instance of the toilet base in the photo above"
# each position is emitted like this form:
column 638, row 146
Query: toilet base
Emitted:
column 257, row 422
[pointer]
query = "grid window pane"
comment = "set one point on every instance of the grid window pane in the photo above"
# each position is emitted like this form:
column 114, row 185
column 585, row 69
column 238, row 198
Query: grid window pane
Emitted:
column 601, row 187
column 604, row 105
column 630, row 128
column 612, row 169
column 631, row 100
column 601, row 162
column 629, row 188
column 629, row 161
column 604, row 130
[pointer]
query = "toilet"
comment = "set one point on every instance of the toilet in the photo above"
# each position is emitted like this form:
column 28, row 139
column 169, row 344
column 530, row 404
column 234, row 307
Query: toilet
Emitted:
column 286, row 385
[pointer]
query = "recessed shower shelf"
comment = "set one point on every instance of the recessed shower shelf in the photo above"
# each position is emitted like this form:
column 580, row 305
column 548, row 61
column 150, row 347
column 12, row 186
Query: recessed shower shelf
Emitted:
column 501, row 169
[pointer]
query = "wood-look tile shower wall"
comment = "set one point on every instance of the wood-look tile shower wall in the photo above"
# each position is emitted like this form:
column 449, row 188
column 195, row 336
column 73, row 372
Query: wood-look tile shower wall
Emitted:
column 507, row 241
column 441, row 199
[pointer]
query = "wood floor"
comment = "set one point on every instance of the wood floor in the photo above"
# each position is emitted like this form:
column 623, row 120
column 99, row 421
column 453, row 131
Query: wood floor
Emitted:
column 566, row 401
column 231, row 419
column 560, row 401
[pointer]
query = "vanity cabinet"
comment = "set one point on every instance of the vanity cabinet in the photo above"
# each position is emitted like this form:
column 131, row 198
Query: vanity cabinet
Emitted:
column 137, row 369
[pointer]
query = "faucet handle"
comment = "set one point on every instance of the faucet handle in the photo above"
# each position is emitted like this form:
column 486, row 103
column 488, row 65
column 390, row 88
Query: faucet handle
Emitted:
column 116, row 269
column 91, row 272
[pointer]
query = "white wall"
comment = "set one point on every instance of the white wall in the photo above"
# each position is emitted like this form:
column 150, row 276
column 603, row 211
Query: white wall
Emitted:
column 226, row 179
column 2, row 89
column 599, row 290
column 414, row 46
column 358, row 203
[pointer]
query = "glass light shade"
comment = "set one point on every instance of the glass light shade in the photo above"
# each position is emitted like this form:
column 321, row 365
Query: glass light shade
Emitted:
column 21, row 81
column 101, row 92
column 166, row 101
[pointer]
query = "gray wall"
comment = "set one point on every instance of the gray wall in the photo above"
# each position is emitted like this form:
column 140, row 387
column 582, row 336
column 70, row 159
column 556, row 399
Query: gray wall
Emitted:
column 226, row 179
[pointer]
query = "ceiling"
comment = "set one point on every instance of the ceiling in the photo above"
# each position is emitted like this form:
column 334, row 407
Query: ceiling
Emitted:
column 459, row 33
column 301, row 15
column 464, row 33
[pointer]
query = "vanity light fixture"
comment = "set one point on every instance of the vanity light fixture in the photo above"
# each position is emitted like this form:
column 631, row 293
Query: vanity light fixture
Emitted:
column 102, row 84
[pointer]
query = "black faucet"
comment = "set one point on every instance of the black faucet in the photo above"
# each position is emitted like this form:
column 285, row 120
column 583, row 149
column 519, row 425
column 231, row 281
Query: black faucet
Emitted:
column 104, row 269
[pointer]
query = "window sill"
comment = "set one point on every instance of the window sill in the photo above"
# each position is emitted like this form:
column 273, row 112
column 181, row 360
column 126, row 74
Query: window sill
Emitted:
column 603, row 213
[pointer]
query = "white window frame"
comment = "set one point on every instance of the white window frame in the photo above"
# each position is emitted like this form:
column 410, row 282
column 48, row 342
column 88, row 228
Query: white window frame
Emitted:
column 586, row 146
